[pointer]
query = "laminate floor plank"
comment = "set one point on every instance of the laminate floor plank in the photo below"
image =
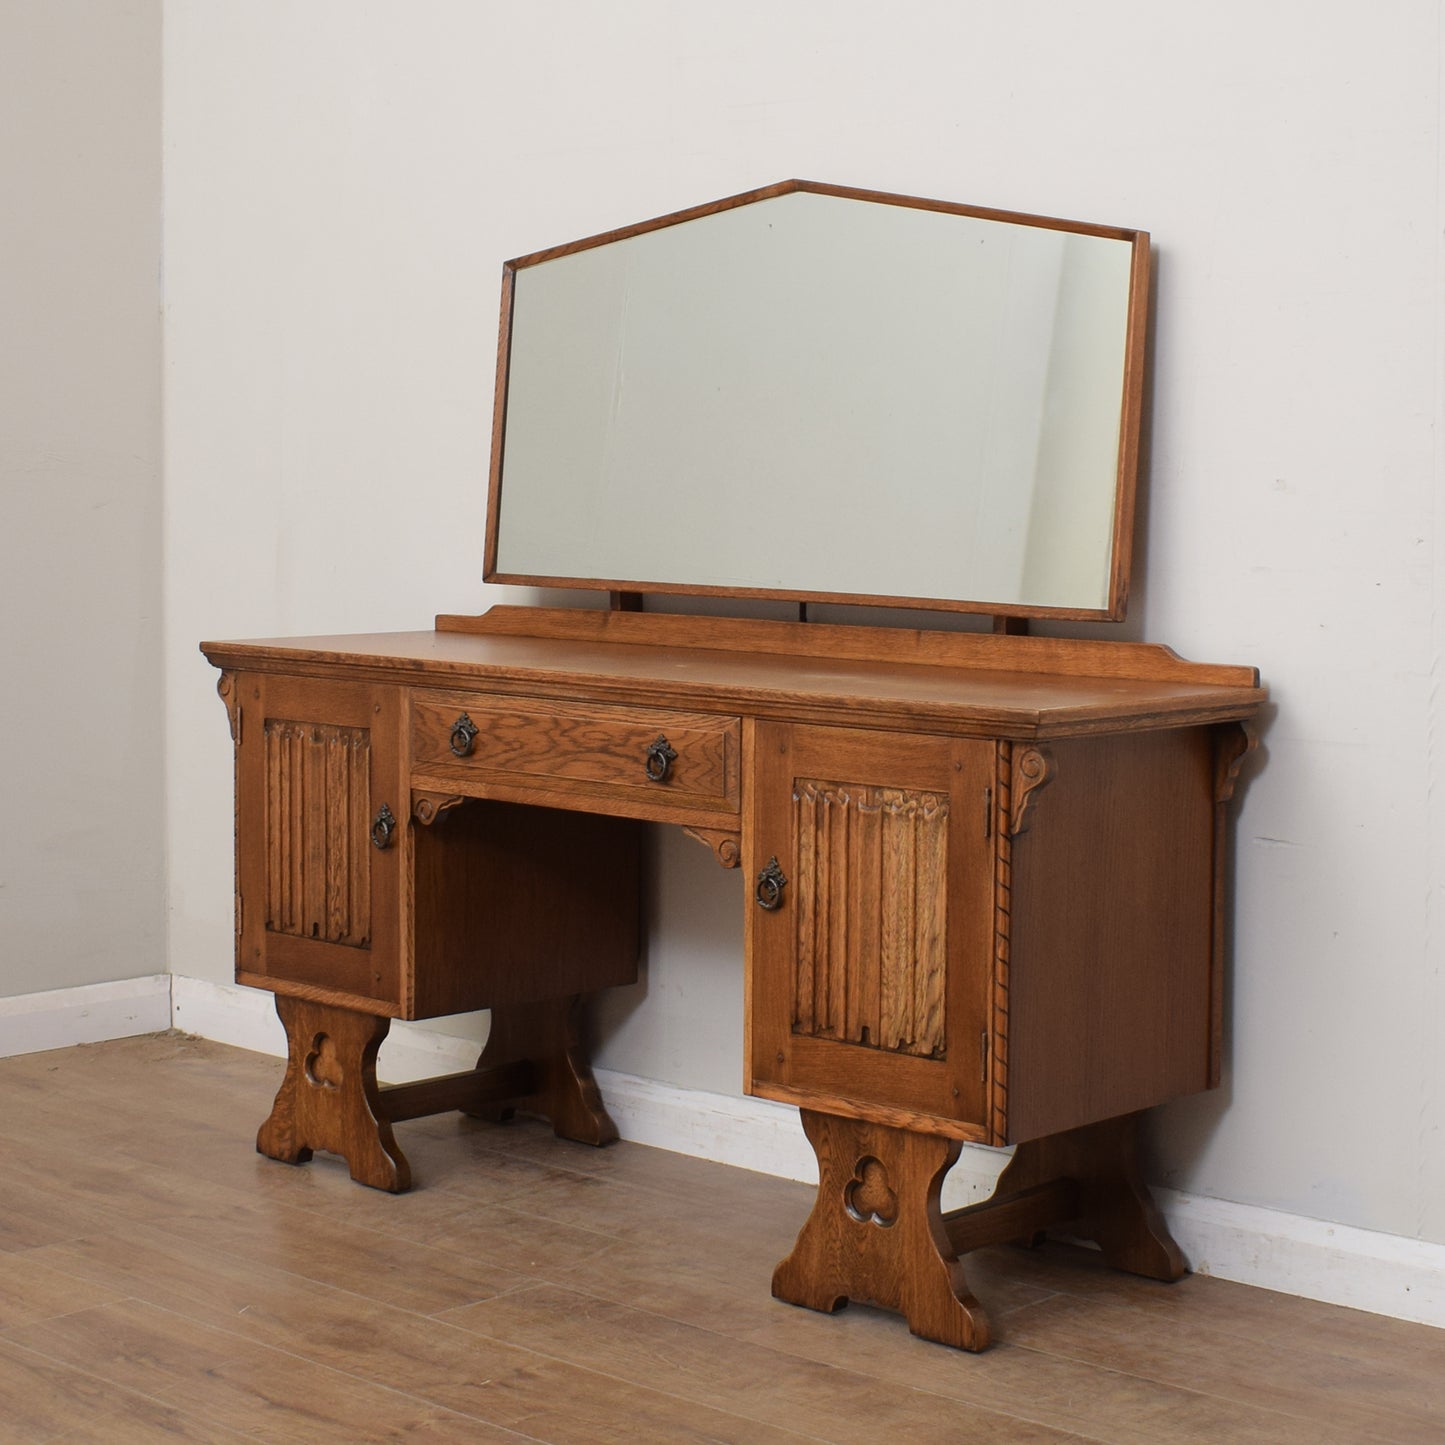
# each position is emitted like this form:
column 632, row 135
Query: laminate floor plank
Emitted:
column 42, row 1400
column 30, row 1290
column 427, row 1360
column 1258, row 1314
column 613, row 1206
column 350, row 1257
column 159, row 1279
column 650, row 1349
column 700, row 1268
column 234, row 1382
column 1051, row 1389
column 1334, row 1388
column 33, row 1213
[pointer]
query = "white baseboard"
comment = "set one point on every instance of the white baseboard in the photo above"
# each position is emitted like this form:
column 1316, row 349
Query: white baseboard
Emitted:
column 87, row 1014
column 246, row 1018
column 243, row 1017
column 753, row 1134
column 1336, row 1263
column 1384, row 1274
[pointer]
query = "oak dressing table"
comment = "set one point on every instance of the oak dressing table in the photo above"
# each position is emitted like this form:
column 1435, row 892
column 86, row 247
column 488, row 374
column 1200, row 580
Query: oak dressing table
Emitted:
column 985, row 873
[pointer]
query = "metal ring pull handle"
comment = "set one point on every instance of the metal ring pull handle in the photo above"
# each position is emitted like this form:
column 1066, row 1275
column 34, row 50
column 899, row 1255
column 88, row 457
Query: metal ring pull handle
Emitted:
column 769, row 890
column 383, row 826
column 660, row 758
column 464, row 734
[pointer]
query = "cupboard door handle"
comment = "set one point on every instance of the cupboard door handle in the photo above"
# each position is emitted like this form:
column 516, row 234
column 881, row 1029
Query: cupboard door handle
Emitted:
column 464, row 734
column 383, row 826
column 769, row 891
column 659, row 761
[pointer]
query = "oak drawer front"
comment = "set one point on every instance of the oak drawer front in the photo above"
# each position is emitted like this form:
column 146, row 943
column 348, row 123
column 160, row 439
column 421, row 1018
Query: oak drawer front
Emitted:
column 680, row 757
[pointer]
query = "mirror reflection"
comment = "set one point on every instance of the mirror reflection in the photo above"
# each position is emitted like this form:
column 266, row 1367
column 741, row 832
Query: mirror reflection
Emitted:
column 816, row 395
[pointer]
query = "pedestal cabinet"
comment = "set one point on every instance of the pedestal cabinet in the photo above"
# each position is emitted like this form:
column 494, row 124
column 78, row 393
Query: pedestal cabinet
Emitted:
column 360, row 900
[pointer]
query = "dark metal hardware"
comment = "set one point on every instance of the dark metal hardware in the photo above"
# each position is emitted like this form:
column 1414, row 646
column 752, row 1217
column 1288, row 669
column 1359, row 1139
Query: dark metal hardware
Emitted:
column 660, row 758
column 383, row 826
column 769, row 891
column 464, row 734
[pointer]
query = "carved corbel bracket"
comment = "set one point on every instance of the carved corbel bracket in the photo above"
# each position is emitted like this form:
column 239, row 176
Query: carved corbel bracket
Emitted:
column 726, row 846
column 426, row 808
column 1032, row 769
column 1233, row 743
column 226, row 687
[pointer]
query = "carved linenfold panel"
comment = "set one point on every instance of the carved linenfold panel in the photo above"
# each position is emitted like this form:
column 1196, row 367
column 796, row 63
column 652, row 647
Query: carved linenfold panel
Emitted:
column 871, row 915
column 318, row 878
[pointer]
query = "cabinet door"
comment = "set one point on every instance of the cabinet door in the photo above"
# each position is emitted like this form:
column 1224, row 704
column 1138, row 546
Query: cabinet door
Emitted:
column 869, row 977
column 319, row 864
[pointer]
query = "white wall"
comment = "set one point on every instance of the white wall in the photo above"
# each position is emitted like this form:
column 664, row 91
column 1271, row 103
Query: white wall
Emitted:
column 81, row 808
column 344, row 180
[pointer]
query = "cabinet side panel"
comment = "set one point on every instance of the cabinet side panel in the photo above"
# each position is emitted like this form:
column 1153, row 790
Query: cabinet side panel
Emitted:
column 515, row 904
column 1111, row 916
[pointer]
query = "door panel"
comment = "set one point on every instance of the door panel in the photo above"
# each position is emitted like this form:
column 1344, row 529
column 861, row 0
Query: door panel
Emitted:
column 319, row 904
column 869, row 980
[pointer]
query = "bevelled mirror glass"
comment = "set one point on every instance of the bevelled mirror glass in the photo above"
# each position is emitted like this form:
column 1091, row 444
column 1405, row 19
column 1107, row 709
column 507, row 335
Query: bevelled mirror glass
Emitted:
column 813, row 393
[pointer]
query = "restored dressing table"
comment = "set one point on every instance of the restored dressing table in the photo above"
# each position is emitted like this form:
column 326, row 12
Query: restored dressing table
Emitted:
column 985, row 873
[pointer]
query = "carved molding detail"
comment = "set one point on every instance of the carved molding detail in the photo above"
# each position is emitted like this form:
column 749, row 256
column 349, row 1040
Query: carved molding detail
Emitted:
column 870, row 1197
column 323, row 1067
column 1032, row 769
column 997, row 1062
column 871, row 915
column 725, row 844
column 426, row 808
column 1233, row 743
column 226, row 687
column 318, row 865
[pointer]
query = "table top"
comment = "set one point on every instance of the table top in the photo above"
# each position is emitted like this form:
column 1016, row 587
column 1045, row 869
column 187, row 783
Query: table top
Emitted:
column 974, row 684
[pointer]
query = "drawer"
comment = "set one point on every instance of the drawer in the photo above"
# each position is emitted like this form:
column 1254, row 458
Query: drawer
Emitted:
column 639, row 761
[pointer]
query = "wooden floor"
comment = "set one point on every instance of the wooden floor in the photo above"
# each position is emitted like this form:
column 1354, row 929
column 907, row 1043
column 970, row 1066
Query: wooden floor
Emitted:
column 158, row 1279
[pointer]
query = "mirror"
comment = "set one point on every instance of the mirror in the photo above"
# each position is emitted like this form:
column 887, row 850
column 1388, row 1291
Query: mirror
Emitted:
column 813, row 393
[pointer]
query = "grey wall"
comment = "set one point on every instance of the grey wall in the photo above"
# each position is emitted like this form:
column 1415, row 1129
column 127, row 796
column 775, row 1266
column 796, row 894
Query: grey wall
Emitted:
column 344, row 181
column 81, row 715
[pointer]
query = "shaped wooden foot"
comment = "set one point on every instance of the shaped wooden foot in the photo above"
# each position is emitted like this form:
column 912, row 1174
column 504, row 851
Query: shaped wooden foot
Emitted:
column 1113, row 1205
column 329, row 1098
column 876, row 1234
column 547, row 1037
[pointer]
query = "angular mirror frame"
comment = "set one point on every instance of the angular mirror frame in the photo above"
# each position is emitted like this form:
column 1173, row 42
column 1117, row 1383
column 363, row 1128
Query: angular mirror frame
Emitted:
column 1131, row 412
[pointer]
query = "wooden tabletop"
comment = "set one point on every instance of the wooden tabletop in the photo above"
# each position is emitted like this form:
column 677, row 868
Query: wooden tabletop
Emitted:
column 965, row 683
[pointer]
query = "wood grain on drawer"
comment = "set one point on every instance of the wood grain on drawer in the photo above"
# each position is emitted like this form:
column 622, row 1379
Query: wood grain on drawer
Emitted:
column 532, row 749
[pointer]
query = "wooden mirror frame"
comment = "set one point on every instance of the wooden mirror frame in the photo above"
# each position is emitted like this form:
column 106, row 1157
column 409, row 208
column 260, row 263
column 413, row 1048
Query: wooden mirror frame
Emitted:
column 1131, row 412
